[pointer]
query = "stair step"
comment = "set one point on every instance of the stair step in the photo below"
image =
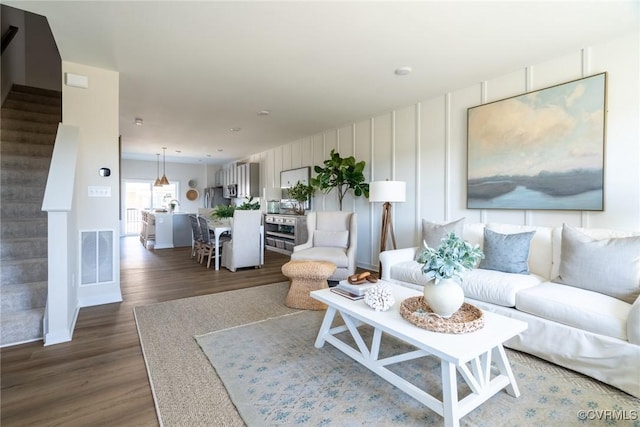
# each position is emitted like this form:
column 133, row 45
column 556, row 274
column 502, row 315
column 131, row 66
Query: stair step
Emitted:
column 24, row 271
column 22, row 209
column 18, row 105
column 29, row 126
column 26, row 148
column 51, row 93
column 35, row 98
column 11, row 135
column 12, row 176
column 22, row 193
column 17, row 161
column 23, row 228
column 33, row 116
column 22, row 326
column 23, row 296
column 23, row 247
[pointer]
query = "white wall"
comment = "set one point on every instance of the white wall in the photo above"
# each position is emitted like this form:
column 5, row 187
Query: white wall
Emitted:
column 95, row 112
column 425, row 145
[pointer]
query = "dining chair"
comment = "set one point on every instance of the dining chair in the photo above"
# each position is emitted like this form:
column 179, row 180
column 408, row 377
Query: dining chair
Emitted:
column 196, row 237
column 245, row 249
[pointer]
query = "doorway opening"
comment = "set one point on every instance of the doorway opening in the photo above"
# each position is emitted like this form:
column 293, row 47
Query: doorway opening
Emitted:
column 143, row 195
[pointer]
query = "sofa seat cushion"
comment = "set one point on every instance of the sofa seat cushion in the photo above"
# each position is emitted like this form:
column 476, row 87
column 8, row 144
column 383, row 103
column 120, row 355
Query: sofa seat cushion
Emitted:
column 408, row 271
column 580, row 308
column 497, row 287
column 337, row 256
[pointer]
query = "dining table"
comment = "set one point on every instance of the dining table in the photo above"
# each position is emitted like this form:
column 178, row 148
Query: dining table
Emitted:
column 218, row 228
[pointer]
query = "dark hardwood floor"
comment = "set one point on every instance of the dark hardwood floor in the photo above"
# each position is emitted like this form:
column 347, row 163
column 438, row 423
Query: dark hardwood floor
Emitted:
column 100, row 378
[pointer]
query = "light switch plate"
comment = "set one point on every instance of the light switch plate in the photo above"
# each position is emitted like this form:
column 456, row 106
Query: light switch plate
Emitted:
column 95, row 191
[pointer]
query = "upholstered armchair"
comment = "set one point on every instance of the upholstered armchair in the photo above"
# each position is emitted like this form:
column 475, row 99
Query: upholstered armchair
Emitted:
column 332, row 236
column 245, row 249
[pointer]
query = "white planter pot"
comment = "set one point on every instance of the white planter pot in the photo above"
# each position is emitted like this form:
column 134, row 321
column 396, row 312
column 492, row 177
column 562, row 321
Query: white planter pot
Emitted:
column 445, row 297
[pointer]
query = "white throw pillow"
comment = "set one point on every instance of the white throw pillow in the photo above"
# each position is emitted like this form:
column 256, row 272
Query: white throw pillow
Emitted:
column 608, row 266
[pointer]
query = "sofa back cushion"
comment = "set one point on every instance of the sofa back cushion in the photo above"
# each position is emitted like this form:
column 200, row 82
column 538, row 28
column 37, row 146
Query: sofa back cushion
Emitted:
column 434, row 232
column 540, row 251
column 607, row 266
column 508, row 253
column 594, row 233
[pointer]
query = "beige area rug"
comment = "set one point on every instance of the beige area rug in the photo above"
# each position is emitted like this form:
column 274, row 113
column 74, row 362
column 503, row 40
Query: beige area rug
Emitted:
column 276, row 377
column 188, row 392
column 186, row 389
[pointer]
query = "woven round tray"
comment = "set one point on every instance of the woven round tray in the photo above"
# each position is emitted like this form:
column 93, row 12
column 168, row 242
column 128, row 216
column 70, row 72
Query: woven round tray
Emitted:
column 468, row 318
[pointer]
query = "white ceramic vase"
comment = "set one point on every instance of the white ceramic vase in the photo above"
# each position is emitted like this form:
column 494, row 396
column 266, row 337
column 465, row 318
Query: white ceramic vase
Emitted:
column 444, row 296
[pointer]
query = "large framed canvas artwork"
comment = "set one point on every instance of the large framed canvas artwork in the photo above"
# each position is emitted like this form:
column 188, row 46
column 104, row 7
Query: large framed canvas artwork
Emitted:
column 540, row 150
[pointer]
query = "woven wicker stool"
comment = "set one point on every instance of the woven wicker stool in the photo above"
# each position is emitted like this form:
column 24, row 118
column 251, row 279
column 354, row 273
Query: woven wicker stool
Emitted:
column 307, row 276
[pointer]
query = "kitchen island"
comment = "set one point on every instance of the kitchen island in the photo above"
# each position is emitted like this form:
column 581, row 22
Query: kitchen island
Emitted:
column 172, row 229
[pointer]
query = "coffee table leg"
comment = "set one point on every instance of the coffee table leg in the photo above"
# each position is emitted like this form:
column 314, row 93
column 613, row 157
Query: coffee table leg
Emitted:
column 502, row 363
column 324, row 328
column 451, row 413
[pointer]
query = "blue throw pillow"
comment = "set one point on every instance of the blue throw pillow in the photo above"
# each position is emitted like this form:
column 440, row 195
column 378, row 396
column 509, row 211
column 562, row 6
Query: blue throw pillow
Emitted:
column 508, row 253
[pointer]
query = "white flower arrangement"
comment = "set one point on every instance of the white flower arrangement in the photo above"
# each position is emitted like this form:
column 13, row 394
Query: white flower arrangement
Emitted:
column 380, row 297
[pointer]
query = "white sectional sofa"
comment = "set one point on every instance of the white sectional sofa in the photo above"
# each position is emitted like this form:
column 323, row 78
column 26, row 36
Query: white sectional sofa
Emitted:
column 590, row 324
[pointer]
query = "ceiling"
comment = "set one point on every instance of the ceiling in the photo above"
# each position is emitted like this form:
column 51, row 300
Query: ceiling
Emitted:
column 195, row 70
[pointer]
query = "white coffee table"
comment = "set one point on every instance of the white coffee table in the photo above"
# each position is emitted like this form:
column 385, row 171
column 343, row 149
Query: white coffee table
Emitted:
column 469, row 354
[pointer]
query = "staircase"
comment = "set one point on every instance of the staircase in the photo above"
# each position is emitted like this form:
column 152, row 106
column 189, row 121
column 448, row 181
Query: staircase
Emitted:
column 29, row 120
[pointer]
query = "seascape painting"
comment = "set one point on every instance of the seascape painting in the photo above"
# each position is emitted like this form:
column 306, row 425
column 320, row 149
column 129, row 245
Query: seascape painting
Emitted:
column 540, row 150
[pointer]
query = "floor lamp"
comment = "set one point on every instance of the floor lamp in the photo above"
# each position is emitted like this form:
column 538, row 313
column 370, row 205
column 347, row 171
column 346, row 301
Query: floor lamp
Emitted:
column 387, row 192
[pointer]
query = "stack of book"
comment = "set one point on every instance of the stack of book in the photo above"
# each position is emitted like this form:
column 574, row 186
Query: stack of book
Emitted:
column 350, row 291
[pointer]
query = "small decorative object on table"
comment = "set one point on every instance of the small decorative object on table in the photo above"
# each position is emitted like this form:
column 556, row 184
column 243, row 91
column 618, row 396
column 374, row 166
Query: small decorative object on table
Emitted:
column 446, row 265
column 380, row 297
column 468, row 318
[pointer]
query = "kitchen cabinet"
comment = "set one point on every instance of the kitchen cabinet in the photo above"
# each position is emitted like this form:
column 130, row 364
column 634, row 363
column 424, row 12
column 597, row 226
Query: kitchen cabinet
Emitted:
column 283, row 232
column 248, row 180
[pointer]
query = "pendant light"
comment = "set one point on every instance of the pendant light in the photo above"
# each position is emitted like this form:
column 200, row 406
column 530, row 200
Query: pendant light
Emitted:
column 164, row 180
column 157, row 182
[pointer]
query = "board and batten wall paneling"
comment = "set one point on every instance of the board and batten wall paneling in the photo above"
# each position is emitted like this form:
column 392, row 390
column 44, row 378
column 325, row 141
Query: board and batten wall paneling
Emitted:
column 431, row 188
column 403, row 214
column 425, row 144
column 622, row 146
column 364, row 209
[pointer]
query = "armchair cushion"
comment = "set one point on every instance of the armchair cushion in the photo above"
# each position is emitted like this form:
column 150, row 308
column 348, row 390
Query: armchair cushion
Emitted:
column 334, row 239
column 335, row 255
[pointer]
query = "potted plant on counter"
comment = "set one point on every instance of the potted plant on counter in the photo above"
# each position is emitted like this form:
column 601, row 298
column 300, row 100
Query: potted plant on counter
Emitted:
column 444, row 267
column 300, row 193
column 223, row 213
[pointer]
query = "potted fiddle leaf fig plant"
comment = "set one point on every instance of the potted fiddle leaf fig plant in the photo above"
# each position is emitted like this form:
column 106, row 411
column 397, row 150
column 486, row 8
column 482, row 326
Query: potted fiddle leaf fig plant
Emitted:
column 444, row 267
column 343, row 174
column 300, row 193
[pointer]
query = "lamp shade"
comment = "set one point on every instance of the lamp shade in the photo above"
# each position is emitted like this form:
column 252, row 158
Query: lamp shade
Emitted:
column 387, row 191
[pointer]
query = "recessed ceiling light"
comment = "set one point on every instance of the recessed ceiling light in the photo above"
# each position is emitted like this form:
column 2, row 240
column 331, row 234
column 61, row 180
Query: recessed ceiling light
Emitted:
column 264, row 112
column 235, row 129
column 403, row 71
column 178, row 151
column 208, row 155
column 139, row 121
column 219, row 150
